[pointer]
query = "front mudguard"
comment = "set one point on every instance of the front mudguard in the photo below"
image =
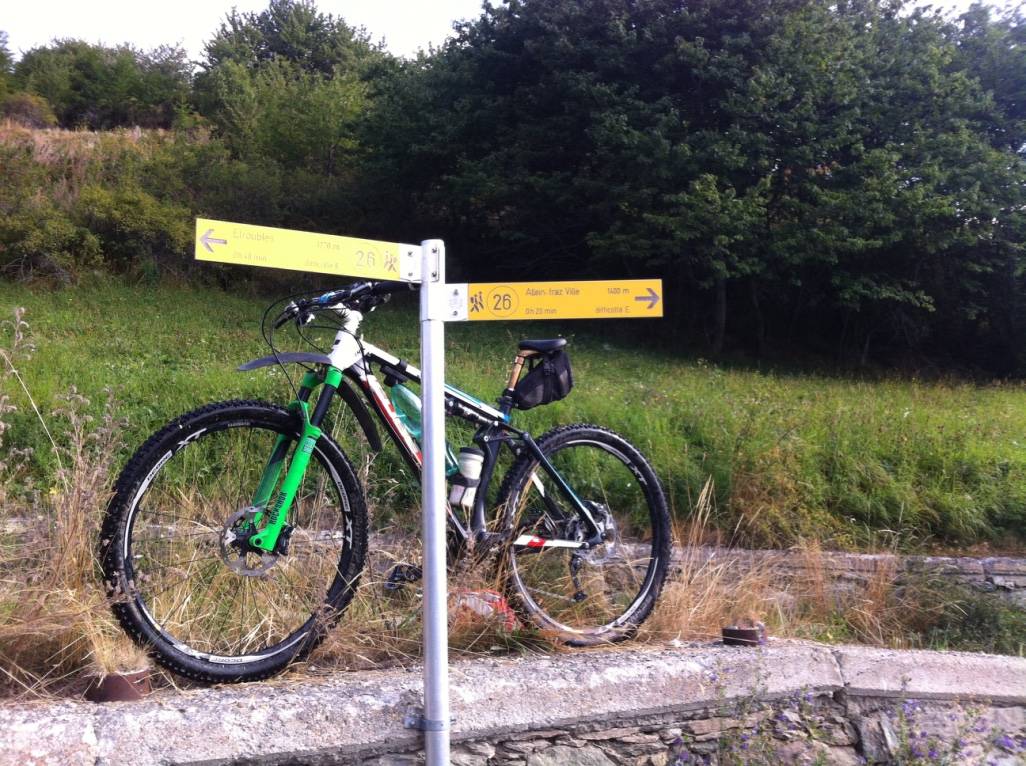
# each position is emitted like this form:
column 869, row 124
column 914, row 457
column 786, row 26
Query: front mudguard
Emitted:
column 349, row 396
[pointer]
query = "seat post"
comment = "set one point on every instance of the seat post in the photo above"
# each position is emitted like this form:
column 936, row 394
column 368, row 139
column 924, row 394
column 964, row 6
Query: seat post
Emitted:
column 506, row 400
column 518, row 367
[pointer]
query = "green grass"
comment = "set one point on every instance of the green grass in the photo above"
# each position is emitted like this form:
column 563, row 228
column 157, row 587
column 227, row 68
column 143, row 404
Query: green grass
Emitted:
column 793, row 456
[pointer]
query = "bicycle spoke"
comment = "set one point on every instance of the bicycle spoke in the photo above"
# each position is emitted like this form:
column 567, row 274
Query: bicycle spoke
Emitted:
column 184, row 577
column 581, row 590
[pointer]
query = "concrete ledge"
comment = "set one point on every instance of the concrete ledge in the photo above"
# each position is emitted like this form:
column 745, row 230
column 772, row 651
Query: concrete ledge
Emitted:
column 932, row 675
column 351, row 717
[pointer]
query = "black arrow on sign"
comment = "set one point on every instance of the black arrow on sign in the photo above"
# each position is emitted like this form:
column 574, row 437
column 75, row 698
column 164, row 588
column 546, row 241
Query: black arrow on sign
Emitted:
column 652, row 298
column 206, row 240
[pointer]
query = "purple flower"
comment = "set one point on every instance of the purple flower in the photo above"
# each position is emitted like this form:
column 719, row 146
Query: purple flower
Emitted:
column 933, row 752
column 1005, row 742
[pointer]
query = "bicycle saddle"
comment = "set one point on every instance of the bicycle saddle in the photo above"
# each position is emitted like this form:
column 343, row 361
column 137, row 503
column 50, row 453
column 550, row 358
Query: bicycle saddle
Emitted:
column 542, row 346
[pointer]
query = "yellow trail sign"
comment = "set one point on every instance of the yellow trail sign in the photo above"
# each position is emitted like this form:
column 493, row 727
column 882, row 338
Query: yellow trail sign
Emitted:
column 603, row 299
column 249, row 245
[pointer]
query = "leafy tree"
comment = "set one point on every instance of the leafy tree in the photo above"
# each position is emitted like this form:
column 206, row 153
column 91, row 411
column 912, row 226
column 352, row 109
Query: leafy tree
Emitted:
column 300, row 119
column 293, row 30
column 841, row 158
column 98, row 87
column 6, row 64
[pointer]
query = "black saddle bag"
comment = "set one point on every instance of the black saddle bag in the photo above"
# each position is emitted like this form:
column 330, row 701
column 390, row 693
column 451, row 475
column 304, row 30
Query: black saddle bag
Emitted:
column 548, row 379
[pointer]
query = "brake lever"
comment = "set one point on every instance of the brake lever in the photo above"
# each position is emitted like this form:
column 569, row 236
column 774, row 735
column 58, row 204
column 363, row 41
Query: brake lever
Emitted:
column 286, row 314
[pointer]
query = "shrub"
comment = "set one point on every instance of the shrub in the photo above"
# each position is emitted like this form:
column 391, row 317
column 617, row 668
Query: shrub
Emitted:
column 41, row 240
column 29, row 110
column 136, row 231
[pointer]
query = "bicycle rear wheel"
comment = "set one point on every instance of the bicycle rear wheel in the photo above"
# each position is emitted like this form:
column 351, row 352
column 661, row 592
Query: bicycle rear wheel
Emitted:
column 585, row 596
column 180, row 579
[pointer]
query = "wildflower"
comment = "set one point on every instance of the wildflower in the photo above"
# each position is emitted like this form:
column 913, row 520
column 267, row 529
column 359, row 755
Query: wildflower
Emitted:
column 1005, row 742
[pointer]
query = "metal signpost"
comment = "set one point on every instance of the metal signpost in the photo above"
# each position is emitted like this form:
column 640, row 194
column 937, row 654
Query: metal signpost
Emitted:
column 249, row 245
column 435, row 721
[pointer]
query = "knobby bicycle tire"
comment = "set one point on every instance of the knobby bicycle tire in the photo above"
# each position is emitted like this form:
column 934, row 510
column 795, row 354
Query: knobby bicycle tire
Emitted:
column 607, row 592
column 169, row 570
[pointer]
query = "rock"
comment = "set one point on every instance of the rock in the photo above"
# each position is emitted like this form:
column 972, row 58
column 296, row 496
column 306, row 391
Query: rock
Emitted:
column 810, row 752
column 526, row 745
column 871, row 735
column 608, row 733
column 467, row 759
column 638, row 739
column 487, row 749
column 559, row 755
column 403, row 759
column 839, row 733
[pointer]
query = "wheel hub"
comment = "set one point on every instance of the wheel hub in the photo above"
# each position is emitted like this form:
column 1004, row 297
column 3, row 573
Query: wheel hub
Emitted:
column 238, row 554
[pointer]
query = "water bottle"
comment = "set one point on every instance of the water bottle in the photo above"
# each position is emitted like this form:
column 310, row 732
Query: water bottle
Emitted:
column 407, row 407
column 467, row 479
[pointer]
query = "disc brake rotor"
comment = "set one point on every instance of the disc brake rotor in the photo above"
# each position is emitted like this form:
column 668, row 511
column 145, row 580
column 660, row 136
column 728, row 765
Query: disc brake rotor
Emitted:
column 237, row 552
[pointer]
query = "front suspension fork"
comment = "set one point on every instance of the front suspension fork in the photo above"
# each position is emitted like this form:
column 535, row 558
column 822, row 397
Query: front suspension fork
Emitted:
column 270, row 517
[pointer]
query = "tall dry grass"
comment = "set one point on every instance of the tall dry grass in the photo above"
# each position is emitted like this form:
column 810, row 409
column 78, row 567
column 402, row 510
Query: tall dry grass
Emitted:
column 795, row 594
column 55, row 625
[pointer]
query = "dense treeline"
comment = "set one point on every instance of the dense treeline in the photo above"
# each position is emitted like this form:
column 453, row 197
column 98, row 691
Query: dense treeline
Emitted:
column 846, row 177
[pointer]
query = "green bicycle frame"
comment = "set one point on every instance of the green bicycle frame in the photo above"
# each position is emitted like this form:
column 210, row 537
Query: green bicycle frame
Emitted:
column 271, row 515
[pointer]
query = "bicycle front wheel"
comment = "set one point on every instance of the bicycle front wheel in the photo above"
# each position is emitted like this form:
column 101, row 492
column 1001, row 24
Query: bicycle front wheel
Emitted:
column 182, row 581
column 585, row 596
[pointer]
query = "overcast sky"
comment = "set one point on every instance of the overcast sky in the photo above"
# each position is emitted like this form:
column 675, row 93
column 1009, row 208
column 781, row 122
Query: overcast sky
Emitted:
column 405, row 25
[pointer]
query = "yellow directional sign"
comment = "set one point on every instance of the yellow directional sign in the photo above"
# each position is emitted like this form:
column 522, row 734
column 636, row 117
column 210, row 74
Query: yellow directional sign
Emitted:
column 605, row 299
column 250, row 245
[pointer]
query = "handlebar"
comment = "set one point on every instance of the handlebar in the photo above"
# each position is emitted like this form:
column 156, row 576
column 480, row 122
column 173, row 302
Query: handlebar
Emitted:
column 359, row 296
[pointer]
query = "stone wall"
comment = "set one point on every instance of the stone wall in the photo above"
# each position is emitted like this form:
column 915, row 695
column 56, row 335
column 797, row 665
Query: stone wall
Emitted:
column 1002, row 575
column 810, row 728
column 644, row 706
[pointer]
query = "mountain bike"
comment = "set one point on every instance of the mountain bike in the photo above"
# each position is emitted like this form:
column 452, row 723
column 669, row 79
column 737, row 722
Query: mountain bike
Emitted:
column 237, row 533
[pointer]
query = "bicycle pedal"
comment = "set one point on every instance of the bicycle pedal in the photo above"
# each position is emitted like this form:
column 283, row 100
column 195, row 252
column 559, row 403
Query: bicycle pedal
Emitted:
column 401, row 574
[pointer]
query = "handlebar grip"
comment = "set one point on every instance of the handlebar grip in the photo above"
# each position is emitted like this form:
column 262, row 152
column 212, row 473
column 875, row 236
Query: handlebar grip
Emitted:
column 387, row 288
